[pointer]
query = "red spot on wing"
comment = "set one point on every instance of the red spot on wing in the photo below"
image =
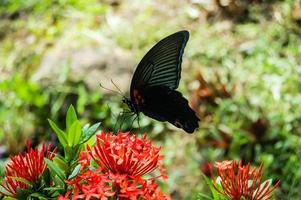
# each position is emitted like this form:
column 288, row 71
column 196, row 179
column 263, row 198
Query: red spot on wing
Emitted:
column 137, row 97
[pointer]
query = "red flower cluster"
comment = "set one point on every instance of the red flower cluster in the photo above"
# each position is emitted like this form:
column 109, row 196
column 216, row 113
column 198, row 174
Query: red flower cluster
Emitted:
column 98, row 185
column 25, row 168
column 126, row 154
column 238, row 181
column 121, row 161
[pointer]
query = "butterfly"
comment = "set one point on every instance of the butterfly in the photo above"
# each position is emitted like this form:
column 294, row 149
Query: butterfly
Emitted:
column 154, row 83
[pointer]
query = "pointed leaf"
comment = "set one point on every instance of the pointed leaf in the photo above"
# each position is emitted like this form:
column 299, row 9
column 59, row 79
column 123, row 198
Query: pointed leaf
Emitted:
column 71, row 117
column 75, row 172
column 46, row 177
column 55, row 169
column 85, row 128
column 216, row 195
column 54, row 189
column 202, row 196
column 58, row 181
column 39, row 196
column 74, row 134
column 9, row 198
column 87, row 134
column 60, row 162
column 71, row 153
column 60, row 134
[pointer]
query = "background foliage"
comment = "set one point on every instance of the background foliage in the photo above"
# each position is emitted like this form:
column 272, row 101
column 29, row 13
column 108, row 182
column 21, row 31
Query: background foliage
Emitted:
column 241, row 72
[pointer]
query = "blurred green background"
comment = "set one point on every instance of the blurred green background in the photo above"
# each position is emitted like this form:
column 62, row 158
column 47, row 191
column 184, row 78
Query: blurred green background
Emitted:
column 241, row 73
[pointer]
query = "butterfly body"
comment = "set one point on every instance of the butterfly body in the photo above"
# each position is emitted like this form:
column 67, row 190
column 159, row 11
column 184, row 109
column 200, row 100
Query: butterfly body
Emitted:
column 154, row 82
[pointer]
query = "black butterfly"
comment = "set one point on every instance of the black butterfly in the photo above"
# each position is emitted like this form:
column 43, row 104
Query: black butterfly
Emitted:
column 155, row 80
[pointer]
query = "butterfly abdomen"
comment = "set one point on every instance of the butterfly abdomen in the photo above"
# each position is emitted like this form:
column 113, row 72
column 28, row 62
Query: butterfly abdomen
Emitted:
column 165, row 104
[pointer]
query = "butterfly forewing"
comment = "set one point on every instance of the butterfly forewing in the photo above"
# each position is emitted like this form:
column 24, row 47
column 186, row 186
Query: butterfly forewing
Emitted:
column 161, row 66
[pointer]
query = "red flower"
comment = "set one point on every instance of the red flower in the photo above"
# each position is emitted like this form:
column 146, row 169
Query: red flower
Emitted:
column 238, row 181
column 91, row 185
column 122, row 161
column 126, row 154
column 28, row 167
column 65, row 197
column 151, row 192
column 206, row 169
column 84, row 159
column 139, row 188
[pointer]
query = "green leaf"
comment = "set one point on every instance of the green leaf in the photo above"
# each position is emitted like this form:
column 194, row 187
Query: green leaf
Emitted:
column 23, row 193
column 74, row 134
column 71, row 153
column 215, row 193
column 54, row 189
column 71, row 117
column 55, row 169
column 46, row 177
column 60, row 162
column 60, row 134
column 85, row 128
column 39, row 196
column 58, row 182
column 203, row 197
column 9, row 198
column 75, row 172
column 87, row 134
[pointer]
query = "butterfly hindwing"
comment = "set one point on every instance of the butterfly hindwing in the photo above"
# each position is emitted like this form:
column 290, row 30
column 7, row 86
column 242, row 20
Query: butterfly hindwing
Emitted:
column 165, row 104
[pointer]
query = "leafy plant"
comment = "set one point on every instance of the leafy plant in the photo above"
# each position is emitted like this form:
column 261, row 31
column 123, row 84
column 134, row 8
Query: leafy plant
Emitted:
column 114, row 167
column 73, row 141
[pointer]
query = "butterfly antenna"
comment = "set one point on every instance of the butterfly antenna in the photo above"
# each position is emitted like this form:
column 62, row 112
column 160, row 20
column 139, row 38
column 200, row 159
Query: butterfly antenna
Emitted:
column 138, row 120
column 114, row 91
column 124, row 117
column 116, row 87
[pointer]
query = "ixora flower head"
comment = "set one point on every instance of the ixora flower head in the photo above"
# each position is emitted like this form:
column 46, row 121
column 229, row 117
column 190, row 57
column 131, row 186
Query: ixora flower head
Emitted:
column 25, row 170
column 118, row 168
column 240, row 181
column 126, row 154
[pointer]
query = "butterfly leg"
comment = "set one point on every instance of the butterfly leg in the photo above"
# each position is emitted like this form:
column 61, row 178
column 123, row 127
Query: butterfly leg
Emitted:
column 138, row 120
column 137, row 116
column 127, row 115
column 120, row 118
column 117, row 120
